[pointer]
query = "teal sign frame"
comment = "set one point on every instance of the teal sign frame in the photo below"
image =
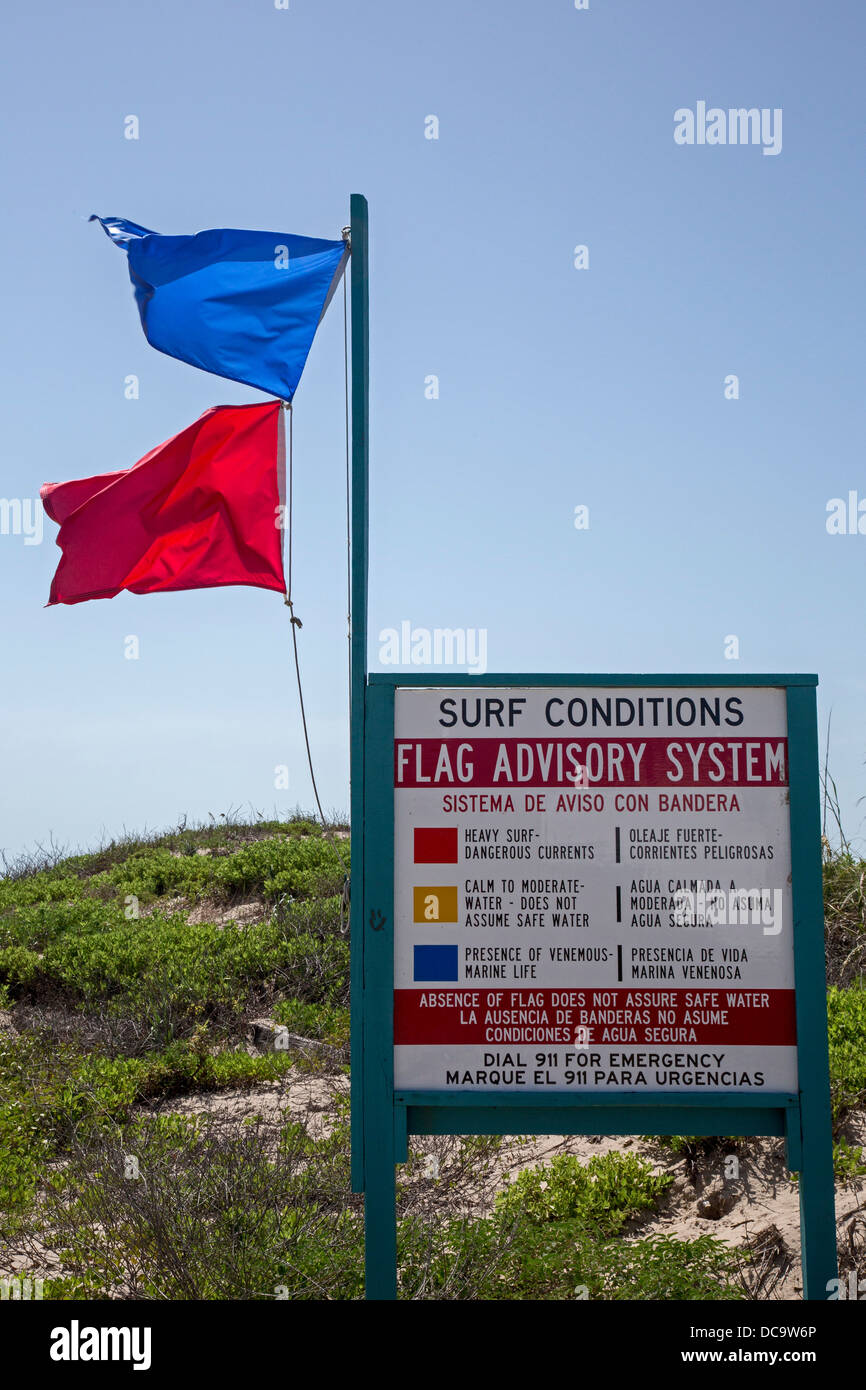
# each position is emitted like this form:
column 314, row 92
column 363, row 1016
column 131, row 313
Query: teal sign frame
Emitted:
column 383, row 1117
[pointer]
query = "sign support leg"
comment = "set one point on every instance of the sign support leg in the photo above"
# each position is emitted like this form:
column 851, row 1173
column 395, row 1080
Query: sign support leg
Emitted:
column 381, row 1189
column 817, row 1208
column 817, row 1184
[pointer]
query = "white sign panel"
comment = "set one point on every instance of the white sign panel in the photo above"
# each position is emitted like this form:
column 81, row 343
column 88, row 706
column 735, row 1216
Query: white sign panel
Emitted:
column 593, row 890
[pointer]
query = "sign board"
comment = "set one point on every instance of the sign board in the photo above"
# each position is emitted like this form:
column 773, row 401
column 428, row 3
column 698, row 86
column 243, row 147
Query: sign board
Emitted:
column 593, row 890
column 591, row 905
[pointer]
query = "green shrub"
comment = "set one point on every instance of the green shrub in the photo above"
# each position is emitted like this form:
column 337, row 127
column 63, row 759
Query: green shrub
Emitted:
column 52, row 1095
column 663, row 1269
column 166, row 975
column 49, row 886
column 849, row 1161
column 556, row 1260
column 846, row 1009
column 262, row 1213
column 18, row 967
column 320, row 1022
column 602, row 1194
column 294, row 867
column 211, row 1214
column 37, row 925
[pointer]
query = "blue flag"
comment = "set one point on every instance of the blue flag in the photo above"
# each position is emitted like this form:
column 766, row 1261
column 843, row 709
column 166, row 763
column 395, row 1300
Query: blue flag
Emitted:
column 243, row 305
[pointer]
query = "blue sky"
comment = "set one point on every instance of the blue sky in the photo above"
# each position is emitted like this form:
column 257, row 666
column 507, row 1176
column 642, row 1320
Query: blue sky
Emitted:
column 558, row 387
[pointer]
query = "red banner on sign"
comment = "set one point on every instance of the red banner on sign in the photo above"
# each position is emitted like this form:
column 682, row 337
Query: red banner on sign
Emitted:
column 598, row 762
column 728, row 1017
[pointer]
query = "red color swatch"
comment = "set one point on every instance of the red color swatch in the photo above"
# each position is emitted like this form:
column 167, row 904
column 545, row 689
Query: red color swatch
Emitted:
column 437, row 845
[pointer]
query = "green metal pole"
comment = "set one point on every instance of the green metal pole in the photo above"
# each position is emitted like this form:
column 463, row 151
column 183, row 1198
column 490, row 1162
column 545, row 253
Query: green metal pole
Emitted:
column 372, row 734
column 380, row 1203
column 358, row 656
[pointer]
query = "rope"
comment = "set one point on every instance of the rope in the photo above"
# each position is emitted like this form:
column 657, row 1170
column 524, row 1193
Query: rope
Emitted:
column 296, row 623
column 348, row 491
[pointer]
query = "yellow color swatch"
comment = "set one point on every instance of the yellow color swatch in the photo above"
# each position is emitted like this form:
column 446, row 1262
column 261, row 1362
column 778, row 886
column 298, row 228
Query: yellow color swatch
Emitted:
column 436, row 904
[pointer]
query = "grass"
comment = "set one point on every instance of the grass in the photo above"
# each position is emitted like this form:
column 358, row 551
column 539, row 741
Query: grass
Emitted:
column 268, row 1214
column 166, row 1002
column 53, row 1095
column 123, row 1003
column 115, row 939
column 299, row 860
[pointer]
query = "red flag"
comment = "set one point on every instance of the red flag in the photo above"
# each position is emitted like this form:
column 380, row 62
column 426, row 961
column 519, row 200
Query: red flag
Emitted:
column 199, row 511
